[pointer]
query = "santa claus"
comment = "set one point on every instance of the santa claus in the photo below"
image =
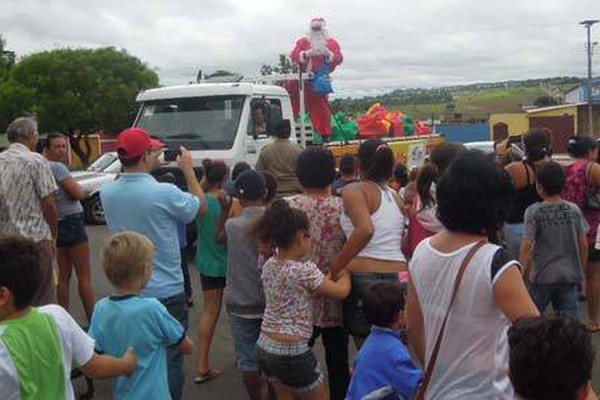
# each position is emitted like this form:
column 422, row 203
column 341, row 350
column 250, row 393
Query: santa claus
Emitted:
column 311, row 52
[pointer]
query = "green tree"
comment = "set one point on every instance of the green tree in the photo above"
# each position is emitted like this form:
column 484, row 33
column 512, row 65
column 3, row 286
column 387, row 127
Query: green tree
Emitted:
column 545, row 101
column 285, row 66
column 76, row 92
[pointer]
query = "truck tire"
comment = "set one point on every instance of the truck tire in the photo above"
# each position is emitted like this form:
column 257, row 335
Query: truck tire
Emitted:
column 93, row 211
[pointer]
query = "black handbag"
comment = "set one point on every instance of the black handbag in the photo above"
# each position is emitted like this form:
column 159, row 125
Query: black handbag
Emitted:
column 592, row 194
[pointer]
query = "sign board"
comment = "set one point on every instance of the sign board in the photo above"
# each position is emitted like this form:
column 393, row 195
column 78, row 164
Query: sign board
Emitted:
column 416, row 155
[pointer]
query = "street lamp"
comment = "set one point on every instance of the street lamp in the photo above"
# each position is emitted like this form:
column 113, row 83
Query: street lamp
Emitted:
column 588, row 26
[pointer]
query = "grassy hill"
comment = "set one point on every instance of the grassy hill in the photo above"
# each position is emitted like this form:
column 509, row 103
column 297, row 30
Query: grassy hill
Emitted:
column 472, row 102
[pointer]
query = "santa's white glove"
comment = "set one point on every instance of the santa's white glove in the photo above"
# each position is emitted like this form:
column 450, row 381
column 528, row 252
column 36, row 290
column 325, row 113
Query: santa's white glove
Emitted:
column 328, row 55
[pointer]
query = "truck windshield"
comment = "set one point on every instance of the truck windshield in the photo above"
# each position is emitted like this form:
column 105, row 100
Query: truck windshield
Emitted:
column 200, row 122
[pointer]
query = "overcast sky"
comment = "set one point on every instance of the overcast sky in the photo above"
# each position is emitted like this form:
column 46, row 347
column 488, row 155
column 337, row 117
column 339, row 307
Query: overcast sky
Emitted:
column 387, row 44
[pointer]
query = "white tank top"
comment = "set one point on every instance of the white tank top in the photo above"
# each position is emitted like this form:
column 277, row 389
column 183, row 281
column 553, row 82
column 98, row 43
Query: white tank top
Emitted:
column 389, row 224
column 473, row 360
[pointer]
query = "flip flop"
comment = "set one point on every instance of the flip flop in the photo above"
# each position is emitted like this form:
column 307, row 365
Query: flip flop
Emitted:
column 593, row 327
column 207, row 376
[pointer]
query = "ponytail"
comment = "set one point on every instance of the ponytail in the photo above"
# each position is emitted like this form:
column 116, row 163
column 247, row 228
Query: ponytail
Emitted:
column 538, row 144
column 376, row 159
column 425, row 179
column 580, row 146
column 279, row 224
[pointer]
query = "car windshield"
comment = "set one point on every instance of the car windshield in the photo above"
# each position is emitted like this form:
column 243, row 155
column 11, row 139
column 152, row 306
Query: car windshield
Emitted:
column 207, row 122
column 102, row 162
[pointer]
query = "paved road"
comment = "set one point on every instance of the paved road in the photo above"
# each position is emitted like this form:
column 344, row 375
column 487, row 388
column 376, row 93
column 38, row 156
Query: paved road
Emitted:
column 229, row 385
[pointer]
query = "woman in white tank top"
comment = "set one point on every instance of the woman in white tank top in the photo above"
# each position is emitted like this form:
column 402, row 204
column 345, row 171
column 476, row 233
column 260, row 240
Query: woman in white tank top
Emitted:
column 472, row 362
column 374, row 224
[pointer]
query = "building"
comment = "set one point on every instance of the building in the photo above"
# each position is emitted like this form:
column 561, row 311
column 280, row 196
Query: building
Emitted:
column 579, row 93
column 563, row 121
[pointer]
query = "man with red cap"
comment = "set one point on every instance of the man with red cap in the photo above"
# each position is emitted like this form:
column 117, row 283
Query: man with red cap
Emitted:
column 137, row 202
column 310, row 53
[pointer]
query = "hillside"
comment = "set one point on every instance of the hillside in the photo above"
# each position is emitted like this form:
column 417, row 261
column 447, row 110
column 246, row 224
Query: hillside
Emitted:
column 469, row 102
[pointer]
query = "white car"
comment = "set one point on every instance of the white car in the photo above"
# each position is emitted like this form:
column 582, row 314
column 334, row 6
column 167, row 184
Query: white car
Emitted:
column 105, row 169
column 488, row 147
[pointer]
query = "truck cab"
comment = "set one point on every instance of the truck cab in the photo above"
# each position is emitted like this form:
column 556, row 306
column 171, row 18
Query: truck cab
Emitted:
column 227, row 121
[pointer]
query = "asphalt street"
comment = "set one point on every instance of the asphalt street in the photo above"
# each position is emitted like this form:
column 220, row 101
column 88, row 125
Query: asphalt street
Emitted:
column 229, row 385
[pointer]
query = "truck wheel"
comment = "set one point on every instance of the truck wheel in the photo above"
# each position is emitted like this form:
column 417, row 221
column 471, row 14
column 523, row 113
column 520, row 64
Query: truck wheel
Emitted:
column 94, row 213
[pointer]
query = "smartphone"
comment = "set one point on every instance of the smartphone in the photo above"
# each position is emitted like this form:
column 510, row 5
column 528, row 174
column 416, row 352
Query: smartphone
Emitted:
column 171, row 155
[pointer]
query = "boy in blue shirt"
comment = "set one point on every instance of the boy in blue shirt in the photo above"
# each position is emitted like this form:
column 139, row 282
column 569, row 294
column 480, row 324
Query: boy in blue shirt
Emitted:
column 126, row 320
column 383, row 368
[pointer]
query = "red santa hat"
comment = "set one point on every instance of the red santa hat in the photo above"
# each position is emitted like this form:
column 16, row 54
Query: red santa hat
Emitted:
column 317, row 23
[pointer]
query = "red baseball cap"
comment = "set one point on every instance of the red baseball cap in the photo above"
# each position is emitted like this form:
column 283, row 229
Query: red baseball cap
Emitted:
column 134, row 142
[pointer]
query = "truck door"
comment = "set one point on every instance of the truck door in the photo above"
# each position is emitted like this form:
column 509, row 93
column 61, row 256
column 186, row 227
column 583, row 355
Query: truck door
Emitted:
column 257, row 135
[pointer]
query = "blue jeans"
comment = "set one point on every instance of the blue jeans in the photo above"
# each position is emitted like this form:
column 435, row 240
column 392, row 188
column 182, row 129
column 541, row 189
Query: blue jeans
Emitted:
column 245, row 332
column 177, row 307
column 513, row 235
column 563, row 297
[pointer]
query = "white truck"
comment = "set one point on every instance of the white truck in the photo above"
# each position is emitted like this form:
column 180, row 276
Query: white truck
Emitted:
column 215, row 120
column 220, row 121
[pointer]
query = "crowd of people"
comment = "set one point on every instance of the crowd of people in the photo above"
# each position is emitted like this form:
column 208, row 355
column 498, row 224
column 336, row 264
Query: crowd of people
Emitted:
column 441, row 276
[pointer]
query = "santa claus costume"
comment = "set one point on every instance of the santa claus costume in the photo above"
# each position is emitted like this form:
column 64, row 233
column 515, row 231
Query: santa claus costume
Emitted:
column 310, row 53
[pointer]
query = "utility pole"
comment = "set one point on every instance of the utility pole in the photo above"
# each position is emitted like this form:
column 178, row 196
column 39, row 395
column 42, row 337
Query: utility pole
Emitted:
column 588, row 26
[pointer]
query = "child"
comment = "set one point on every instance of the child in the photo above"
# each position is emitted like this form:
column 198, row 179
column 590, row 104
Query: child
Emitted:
column 40, row 346
column 555, row 243
column 347, row 174
column 383, row 368
column 400, row 179
column 126, row 320
column 244, row 298
column 282, row 349
column 551, row 358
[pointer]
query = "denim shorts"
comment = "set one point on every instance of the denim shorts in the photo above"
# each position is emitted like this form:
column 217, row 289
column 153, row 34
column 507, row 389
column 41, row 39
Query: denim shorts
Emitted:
column 292, row 364
column 355, row 321
column 71, row 231
column 245, row 332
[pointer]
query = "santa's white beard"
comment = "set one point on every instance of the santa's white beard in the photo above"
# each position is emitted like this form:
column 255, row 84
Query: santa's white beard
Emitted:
column 318, row 41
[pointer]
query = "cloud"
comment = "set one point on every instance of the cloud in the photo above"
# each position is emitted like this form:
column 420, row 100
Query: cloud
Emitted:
column 387, row 44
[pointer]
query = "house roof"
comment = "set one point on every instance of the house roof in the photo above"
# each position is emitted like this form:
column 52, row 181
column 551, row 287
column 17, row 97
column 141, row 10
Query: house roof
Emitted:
column 550, row 108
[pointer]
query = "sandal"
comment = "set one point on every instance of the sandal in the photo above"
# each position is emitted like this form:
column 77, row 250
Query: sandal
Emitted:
column 207, row 376
column 593, row 327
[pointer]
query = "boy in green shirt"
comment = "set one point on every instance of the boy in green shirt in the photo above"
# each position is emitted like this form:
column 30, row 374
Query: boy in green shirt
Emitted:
column 39, row 346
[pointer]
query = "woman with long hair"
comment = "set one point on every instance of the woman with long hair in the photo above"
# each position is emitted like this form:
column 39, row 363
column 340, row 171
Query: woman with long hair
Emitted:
column 538, row 147
column 423, row 211
column 374, row 223
column 211, row 261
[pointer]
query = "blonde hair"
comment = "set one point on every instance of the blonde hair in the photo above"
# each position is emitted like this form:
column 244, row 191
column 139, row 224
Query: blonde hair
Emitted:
column 124, row 256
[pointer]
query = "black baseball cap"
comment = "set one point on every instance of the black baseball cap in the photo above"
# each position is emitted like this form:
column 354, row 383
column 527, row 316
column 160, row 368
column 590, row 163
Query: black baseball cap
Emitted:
column 250, row 185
